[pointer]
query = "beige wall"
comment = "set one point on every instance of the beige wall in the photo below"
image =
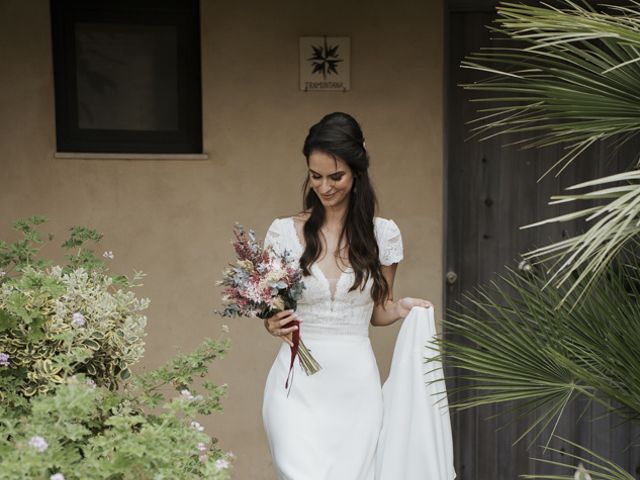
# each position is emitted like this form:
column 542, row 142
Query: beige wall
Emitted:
column 173, row 219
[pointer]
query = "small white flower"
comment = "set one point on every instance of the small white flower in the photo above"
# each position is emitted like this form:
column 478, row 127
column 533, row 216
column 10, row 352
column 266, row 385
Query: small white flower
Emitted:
column 201, row 447
column 203, row 458
column 231, row 455
column 525, row 266
column 56, row 476
column 90, row 383
column 581, row 473
column 38, row 443
column 2, row 273
column 78, row 320
column 197, row 426
column 186, row 394
column 222, row 464
column 108, row 254
column 225, row 328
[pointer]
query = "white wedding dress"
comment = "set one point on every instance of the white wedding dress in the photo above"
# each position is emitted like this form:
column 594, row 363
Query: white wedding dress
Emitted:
column 327, row 426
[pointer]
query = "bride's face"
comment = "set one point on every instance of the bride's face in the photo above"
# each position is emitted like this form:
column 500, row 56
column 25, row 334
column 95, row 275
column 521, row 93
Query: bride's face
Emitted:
column 331, row 178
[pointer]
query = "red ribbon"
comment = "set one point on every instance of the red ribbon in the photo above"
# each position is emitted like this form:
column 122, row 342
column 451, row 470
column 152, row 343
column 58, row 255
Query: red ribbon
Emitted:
column 294, row 350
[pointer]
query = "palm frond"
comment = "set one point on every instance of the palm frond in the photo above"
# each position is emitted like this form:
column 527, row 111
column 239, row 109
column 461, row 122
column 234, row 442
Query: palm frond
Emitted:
column 511, row 342
column 568, row 76
column 561, row 76
column 615, row 223
column 598, row 467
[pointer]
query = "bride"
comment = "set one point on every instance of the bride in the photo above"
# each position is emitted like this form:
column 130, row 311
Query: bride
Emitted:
column 327, row 426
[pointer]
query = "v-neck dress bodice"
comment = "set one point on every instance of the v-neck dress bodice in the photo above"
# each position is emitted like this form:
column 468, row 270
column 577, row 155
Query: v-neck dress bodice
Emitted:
column 326, row 427
column 339, row 311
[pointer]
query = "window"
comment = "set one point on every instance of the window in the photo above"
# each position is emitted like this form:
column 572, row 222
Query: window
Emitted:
column 127, row 76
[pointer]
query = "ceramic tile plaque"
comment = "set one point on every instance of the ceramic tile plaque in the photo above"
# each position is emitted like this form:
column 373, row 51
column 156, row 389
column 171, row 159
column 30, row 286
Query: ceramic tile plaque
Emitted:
column 325, row 64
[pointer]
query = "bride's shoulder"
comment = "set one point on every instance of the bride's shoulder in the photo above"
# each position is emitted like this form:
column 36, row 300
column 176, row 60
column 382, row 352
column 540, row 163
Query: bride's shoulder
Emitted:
column 384, row 225
column 277, row 231
column 297, row 217
column 389, row 240
column 301, row 217
column 279, row 224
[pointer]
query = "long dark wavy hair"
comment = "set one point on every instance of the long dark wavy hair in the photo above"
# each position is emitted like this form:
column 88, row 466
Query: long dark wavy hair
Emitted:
column 340, row 136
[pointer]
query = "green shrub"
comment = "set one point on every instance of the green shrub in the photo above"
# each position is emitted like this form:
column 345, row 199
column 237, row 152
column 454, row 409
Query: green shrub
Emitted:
column 69, row 406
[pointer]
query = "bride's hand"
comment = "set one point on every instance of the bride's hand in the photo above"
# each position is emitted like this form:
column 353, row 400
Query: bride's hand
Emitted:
column 276, row 325
column 407, row 303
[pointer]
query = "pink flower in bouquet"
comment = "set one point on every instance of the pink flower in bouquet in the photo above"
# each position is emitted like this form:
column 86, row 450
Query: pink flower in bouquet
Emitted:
column 261, row 283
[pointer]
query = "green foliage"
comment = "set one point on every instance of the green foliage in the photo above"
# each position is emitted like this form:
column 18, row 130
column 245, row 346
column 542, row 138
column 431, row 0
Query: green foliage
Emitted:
column 180, row 372
column 569, row 75
column 564, row 74
column 599, row 467
column 22, row 252
column 69, row 404
column 616, row 224
column 96, row 433
column 54, row 324
column 83, row 257
column 514, row 343
column 519, row 346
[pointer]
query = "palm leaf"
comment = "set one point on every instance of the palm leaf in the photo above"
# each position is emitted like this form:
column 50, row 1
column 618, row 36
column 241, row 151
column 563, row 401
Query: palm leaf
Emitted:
column 568, row 76
column 598, row 467
column 614, row 224
column 511, row 342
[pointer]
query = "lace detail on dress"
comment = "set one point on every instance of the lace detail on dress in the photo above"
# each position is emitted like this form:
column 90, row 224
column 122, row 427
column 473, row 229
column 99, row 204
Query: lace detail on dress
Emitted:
column 276, row 237
column 389, row 241
column 272, row 237
column 341, row 312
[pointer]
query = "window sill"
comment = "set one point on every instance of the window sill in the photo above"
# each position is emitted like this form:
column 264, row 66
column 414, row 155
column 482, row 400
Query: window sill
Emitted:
column 131, row 156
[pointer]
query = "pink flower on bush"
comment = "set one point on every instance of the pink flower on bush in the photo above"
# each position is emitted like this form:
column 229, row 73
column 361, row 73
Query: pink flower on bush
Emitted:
column 38, row 443
column 78, row 320
column 4, row 359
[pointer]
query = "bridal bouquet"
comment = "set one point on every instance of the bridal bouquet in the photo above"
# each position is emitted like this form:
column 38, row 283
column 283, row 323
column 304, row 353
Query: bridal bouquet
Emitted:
column 261, row 283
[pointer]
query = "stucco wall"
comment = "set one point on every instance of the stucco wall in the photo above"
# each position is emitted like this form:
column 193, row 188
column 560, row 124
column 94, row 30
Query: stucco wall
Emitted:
column 173, row 219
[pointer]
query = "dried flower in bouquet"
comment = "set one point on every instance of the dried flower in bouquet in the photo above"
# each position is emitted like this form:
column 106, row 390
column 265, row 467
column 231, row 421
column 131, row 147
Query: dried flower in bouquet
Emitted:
column 261, row 283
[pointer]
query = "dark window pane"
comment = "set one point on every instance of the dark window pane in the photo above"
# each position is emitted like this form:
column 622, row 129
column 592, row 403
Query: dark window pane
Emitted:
column 126, row 76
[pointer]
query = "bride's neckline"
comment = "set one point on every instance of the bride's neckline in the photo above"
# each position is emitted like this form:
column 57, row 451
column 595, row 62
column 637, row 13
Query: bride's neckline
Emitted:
column 316, row 267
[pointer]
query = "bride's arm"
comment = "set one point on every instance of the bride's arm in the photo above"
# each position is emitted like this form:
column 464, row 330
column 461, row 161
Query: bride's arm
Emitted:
column 391, row 311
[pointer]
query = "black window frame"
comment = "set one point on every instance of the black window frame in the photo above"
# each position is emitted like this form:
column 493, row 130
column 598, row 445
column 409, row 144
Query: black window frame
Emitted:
column 182, row 14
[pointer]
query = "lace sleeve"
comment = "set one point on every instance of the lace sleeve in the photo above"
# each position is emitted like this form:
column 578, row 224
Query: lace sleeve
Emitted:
column 390, row 243
column 273, row 237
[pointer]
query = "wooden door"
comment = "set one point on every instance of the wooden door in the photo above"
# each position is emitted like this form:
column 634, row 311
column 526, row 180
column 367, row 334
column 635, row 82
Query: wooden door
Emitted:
column 491, row 190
